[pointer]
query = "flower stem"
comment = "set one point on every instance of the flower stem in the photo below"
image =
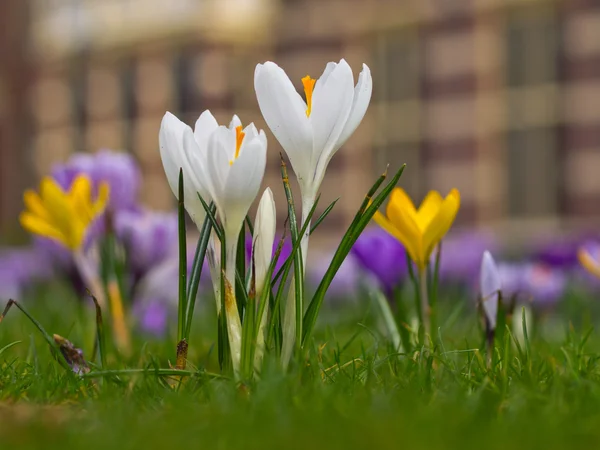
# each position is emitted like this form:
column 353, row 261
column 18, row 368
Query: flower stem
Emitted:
column 261, row 284
column 234, row 324
column 424, row 299
column 294, row 305
column 90, row 277
column 213, row 253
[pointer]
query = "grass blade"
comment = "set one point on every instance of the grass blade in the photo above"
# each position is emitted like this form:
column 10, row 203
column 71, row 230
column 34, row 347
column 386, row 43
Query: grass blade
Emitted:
column 54, row 348
column 100, row 335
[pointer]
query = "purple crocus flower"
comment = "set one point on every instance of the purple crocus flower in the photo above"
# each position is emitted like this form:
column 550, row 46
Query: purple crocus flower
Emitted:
column 461, row 256
column 490, row 286
column 545, row 284
column 511, row 277
column 537, row 283
column 558, row 253
column 119, row 170
column 381, row 256
column 21, row 267
column 148, row 237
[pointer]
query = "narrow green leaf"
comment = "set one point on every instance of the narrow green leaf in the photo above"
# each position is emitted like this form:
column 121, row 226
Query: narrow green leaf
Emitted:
column 224, row 349
column 210, row 213
column 100, row 334
column 249, row 331
column 296, row 246
column 6, row 347
column 366, row 211
column 298, row 263
column 250, row 226
column 182, row 305
column 240, row 265
column 197, row 273
column 54, row 348
column 433, row 298
column 322, row 216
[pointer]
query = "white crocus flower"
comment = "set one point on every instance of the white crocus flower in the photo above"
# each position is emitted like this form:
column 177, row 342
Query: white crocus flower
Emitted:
column 490, row 285
column 262, row 252
column 182, row 148
column 224, row 165
column 310, row 132
column 235, row 166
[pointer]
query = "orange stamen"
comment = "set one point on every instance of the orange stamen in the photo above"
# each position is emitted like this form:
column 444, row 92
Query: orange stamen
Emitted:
column 239, row 138
column 309, row 85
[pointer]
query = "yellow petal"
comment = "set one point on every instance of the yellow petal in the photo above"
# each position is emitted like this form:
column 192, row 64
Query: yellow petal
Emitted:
column 102, row 200
column 34, row 204
column 57, row 203
column 388, row 226
column 400, row 202
column 401, row 198
column 588, row 262
column 80, row 196
column 442, row 222
column 401, row 212
column 428, row 209
column 36, row 225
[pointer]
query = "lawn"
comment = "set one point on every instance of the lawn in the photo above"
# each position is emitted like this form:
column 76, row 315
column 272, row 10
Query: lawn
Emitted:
column 351, row 390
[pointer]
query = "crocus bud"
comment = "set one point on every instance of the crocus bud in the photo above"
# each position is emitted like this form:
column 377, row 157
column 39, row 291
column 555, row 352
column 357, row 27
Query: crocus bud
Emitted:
column 490, row 286
column 262, row 248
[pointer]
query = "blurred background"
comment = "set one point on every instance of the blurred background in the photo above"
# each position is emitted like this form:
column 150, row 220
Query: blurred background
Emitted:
column 499, row 98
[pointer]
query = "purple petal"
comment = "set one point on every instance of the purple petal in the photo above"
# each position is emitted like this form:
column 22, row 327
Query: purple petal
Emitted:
column 381, row 256
column 119, row 170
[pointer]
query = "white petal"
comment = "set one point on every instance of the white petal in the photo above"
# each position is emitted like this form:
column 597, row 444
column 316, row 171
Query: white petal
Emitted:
column 251, row 131
column 331, row 105
column 193, row 172
column 323, row 78
column 490, row 286
column 243, row 181
column 221, row 147
column 235, row 122
column 285, row 113
column 205, row 126
column 264, row 235
column 170, row 139
column 362, row 97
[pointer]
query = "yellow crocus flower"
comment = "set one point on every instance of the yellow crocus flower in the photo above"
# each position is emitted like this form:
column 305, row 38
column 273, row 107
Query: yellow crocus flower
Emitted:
column 419, row 230
column 63, row 216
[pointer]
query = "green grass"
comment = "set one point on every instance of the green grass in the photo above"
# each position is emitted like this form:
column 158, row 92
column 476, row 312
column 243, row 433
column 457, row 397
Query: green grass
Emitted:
column 351, row 391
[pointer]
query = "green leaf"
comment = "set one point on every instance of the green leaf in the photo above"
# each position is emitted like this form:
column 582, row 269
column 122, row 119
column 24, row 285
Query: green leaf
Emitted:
column 182, row 305
column 100, row 335
column 240, row 264
column 366, row 211
column 298, row 263
column 54, row 348
column 197, row 273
